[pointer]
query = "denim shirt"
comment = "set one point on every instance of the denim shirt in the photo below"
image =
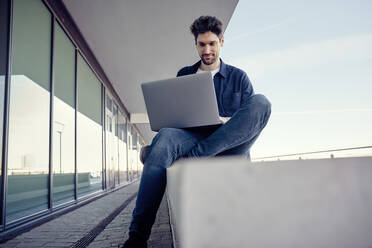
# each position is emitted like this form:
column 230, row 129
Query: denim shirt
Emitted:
column 232, row 87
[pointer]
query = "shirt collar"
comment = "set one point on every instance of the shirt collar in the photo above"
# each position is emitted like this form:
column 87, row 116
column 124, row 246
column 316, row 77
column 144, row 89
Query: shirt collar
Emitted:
column 222, row 71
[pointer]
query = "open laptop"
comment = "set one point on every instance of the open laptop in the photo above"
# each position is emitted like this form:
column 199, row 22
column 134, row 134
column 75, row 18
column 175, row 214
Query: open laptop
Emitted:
column 181, row 102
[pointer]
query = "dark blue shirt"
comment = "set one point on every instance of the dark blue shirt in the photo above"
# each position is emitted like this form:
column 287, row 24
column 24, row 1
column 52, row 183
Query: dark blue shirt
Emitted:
column 231, row 84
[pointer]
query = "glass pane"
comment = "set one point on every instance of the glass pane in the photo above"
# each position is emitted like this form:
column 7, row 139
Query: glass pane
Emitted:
column 89, row 130
column 116, row 147
column 123, row 169
column 140, row 165
column 29, row 110
column 139, row 168
column 130, row 160
column 3, row 58
column 132, row 153
column 135, row 152
column 89, row 92
column 64, row 118
column 111, row 143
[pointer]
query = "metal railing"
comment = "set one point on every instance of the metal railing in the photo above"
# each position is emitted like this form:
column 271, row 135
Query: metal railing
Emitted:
column 321, row 154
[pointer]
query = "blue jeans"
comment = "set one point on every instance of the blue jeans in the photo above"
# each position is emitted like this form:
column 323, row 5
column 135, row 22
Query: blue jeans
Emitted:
column 235, row 137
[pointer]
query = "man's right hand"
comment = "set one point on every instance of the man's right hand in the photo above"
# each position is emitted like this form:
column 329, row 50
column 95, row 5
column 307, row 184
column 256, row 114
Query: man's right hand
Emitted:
column 224, row 119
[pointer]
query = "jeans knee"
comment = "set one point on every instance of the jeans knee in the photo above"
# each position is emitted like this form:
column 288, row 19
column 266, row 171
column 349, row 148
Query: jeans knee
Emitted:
column 166, row 136
column 167, row 132
column 261, row 103
column 163, row 146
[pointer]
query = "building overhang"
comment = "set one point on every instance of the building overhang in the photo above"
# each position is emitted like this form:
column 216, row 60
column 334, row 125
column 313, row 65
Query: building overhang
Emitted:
column 140, row 41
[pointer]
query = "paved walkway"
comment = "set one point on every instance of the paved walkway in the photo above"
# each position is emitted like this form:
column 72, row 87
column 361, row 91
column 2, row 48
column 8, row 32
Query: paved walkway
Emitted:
column 77, row 228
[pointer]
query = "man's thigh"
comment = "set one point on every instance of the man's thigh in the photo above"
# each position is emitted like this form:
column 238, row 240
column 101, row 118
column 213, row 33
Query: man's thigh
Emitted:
column 179, row 139
column 180, row 135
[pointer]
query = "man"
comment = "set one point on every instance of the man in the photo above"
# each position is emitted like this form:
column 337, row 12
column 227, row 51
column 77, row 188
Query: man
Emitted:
column 243, row 116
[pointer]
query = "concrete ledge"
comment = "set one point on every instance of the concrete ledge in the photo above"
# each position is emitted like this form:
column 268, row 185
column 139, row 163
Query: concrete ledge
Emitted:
column 230, row 202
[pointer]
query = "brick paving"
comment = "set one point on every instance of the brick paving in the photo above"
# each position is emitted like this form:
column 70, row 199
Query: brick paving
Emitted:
column 117, row 231
column 67, row 229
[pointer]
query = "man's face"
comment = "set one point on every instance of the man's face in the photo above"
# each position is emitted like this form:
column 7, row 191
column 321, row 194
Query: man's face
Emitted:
column 208, row 45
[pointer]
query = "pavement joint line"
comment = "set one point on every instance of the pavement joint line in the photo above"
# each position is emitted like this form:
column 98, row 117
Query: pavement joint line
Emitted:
column 92, row 234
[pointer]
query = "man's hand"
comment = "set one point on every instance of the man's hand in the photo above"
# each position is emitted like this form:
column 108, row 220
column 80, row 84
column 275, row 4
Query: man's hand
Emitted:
column 224, row 119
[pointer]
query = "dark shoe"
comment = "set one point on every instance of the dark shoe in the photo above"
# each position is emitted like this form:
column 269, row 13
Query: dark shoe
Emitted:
column 134, row 241
column 143, row 153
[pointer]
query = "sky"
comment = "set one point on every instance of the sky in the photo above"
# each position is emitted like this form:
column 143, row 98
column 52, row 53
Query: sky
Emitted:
column 313, row 61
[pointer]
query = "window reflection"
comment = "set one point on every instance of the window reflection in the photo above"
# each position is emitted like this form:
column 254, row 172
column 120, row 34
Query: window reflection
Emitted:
column 112, row 154
column 28, row 166
column 2, row 88
column 89, row 130
column 28, row 148
column 3, row 67
column 135, row 153
column 115, row 165
column 140, row 165
column 132, row 153
column 89, row 155
column 123, row 168
column 64, row 119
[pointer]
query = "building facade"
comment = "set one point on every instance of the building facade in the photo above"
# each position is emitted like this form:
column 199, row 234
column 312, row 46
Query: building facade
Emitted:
column 65, row 135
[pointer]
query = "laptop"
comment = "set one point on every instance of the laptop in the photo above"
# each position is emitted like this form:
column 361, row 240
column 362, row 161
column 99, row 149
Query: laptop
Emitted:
column 182, row 102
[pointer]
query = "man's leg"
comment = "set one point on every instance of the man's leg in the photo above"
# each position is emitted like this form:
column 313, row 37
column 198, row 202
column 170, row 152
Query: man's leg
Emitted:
column 241, row 130
column 167, row 146
column 240, row 150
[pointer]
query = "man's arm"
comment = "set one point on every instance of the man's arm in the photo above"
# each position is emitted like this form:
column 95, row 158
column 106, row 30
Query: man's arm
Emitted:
column 246, row 90
column 183, row 71
column 246, row 93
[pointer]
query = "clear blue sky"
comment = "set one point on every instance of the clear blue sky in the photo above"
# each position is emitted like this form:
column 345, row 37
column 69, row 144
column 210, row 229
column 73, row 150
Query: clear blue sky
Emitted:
column 313, row 60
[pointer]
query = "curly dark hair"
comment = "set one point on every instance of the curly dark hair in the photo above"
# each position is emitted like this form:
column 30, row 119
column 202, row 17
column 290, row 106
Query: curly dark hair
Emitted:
column 204, row 24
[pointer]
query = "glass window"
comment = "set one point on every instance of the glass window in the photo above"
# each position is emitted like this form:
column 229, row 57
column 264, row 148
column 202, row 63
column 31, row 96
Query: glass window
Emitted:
column 64, row 118
column 3, row 58
column 140, row 145
column 112, row 142
column 135, row 153
column 28, row 151
column 132, row 153
column 116, row 146
column 89, row 130
column 123, row 168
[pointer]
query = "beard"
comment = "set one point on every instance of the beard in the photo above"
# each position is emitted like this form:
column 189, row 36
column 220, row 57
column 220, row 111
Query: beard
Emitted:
column 213, row 59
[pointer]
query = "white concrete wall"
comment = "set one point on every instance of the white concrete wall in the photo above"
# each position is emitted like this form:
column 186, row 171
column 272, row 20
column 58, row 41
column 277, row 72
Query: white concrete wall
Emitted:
column 229, row 202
